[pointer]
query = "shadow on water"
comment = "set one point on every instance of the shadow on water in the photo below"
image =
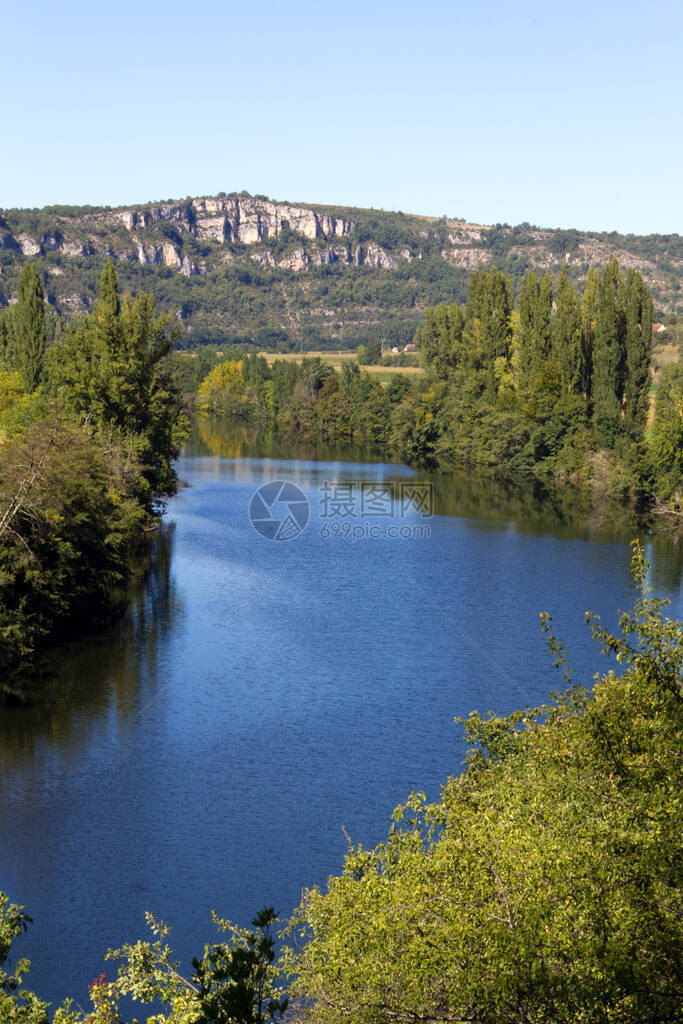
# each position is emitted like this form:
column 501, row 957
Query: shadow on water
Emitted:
column 81, row 678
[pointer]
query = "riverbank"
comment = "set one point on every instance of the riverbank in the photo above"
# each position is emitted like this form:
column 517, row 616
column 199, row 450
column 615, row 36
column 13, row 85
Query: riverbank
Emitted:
column 491, row 492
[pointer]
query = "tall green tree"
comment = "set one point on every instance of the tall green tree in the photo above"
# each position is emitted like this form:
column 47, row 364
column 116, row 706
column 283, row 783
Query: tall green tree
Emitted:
column 27, row 330
column 609, row 357
column 5, row 315
column 534, row 335
column 637, row 306
column 488, row 329
column 589, row 313
column 440, row 339
column 569, row 349
column 667, row 432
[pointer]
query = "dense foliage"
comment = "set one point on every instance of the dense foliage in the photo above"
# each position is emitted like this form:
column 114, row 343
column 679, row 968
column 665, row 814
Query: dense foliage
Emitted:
column 88, row 430
column 557, row 386
column 544, row 887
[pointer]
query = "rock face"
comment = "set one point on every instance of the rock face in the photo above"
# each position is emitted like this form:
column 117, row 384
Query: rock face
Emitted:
column 375, row 256
column 237, row 219
column 227, row 237
column 28, row 245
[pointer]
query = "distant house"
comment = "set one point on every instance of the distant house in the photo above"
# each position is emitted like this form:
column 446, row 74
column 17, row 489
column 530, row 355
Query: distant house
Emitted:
column 658, row 329
column 409, row 347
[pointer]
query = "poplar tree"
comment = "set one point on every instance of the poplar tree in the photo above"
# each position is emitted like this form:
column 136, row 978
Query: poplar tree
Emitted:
column 26, row 347
column 637, row 306
column 440, row 339
column 535, row 312
column 488, row 330
column 608, row 357
column 569, row 349
column 589, row 307
column 4, row 334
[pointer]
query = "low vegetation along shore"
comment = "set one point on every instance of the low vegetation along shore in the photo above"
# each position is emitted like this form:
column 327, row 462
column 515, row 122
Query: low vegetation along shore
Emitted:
column 542, row 888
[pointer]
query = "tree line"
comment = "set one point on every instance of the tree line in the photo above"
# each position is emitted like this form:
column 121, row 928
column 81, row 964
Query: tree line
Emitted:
column 556, row 386
column 90, row 422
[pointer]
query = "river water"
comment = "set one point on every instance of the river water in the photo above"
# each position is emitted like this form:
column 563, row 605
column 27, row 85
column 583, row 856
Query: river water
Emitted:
column 261, row 696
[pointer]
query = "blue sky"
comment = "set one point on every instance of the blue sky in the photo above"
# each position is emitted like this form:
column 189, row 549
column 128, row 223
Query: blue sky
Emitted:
column 564, row 115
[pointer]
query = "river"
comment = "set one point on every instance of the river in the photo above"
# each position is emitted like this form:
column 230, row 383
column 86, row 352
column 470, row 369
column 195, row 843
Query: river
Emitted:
column 260, row 695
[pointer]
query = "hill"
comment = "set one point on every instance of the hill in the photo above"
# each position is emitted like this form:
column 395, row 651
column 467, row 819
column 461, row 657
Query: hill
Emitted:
column 237, row 266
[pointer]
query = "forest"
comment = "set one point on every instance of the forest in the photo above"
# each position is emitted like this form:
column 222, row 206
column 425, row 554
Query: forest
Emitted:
column 556, row 386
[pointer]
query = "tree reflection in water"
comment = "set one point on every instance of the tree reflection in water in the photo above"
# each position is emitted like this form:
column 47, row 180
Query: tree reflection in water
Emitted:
column 78, row 680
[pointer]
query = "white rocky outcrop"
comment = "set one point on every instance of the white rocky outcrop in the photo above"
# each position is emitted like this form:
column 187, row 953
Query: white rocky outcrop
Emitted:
column 297, row 260
column 148, row 254
column 28, row 245
column 467, row 259
column 464, row 236
column 373, row 255
column 170, row 256
column 74, row 249
column 239, row 218
column 214, row 229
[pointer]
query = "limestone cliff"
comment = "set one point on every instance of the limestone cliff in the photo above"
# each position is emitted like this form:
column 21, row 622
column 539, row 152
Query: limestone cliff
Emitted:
column 234, row 264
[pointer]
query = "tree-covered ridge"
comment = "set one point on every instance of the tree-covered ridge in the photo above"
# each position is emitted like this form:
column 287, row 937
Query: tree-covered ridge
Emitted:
column 232, row 267
column 555, row 386
column 544, row 887
column 89, row 428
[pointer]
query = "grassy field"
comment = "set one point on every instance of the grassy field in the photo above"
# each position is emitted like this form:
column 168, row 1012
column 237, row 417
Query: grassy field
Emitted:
column 337, row 359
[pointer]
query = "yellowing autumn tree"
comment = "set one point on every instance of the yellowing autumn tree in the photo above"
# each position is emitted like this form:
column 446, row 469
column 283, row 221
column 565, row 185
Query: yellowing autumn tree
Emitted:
column 224, row 390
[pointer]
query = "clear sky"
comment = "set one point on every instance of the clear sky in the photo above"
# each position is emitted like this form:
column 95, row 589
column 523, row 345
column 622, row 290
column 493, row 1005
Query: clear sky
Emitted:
column 561, row 114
